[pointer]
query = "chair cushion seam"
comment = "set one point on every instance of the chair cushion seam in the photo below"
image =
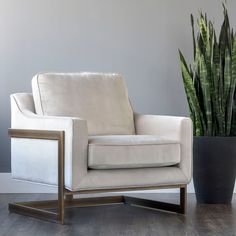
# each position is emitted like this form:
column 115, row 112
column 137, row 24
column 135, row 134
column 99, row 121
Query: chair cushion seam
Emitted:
column 145, row 144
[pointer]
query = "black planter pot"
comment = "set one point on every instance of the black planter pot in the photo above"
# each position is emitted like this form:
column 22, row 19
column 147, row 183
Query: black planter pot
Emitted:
column 214, row 169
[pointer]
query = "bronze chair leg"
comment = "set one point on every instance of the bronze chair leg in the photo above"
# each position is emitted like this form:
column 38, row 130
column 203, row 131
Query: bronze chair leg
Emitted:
column 69, row 198
column 27, row 209
column 40, row 209
column 61, row 179
column 183, row 200
column 178, row 208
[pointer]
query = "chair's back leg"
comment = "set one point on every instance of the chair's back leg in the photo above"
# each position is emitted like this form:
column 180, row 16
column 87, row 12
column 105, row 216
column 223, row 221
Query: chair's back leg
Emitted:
column 183, row 199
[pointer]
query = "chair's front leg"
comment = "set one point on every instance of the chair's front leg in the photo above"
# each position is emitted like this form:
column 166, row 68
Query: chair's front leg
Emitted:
column 61, row 178
column 35, row 209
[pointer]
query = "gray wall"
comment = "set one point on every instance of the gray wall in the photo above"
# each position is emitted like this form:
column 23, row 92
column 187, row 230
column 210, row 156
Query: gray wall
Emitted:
column 138, row 38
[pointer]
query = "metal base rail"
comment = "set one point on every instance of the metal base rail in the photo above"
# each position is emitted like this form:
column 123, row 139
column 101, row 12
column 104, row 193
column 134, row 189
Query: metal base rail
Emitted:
column 43, row 209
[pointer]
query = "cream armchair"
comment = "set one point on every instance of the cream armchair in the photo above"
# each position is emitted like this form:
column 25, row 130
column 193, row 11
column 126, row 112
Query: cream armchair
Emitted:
column 78, row 132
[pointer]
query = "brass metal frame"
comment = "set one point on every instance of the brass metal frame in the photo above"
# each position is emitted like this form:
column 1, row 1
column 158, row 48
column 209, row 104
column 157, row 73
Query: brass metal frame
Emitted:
column 42, row 209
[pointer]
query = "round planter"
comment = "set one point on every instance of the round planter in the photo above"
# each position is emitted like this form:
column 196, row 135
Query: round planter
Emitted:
column 214, row 169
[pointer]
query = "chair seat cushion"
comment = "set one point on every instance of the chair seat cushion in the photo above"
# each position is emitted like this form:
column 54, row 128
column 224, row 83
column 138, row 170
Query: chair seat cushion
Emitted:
column 131, row 151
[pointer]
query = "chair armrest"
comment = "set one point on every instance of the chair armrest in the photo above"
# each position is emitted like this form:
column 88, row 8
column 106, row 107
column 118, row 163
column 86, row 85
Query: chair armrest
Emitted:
column 171, row 127
column 76, row 139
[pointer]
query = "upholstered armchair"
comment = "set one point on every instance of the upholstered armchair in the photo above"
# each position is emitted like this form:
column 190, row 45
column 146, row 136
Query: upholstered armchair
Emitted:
column 78, row 131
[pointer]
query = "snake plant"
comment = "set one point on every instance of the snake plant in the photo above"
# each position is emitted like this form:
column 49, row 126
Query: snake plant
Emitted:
column 210, row 80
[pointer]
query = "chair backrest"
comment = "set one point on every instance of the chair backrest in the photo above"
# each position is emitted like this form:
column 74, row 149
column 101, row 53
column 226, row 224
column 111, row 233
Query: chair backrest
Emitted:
column 101, row 99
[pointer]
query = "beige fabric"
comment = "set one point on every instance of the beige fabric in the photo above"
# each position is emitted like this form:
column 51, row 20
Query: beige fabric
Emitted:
column 170, row 127
column 30, row 166
column 131, row 151
column 40, row 169
column 101, row 99
column 140, row 177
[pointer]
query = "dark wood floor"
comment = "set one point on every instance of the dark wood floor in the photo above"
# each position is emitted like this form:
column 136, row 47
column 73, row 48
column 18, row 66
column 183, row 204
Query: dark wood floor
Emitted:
column 217, row 220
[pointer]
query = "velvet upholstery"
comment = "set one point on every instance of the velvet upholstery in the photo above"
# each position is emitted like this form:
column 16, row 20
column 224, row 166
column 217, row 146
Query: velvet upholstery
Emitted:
column 131, row 151
column 171, row 127
column 76, row 141
column 101, row 99
column 92, row 161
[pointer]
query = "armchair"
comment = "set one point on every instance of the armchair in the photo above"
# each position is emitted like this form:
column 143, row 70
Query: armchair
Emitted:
column 77, row 131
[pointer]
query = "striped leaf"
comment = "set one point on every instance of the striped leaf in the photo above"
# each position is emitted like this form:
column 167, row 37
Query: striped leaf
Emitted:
column 211, row 79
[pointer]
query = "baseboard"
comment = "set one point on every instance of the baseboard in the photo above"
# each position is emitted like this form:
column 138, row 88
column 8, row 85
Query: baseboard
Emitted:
column 8, row 185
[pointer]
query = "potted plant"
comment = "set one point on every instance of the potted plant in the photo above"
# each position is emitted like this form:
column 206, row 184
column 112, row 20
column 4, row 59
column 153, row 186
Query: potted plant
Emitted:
column 210, row 89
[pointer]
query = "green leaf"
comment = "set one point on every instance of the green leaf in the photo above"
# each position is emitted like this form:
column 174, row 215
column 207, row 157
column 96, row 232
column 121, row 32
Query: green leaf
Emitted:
column 192, row 98
column 210, row 80
column 232, row 98
column 193, row 35
column 205, row 86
